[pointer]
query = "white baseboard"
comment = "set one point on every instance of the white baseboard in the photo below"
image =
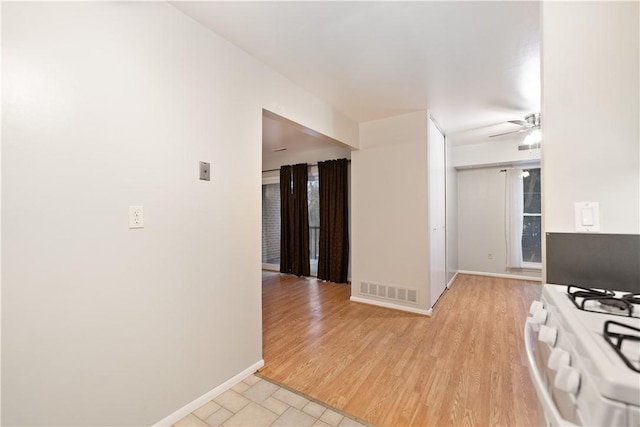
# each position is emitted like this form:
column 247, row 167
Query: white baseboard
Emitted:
column 504, row 276
column 453, row 279
column 210, row 395
column 393, row 306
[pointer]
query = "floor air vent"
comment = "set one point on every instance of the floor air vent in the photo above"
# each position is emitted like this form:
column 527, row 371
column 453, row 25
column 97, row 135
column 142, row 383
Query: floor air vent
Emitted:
column 389, row 292
column 364, row 288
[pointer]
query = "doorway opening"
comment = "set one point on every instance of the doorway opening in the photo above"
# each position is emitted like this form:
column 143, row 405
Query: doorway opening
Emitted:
column 285, row 142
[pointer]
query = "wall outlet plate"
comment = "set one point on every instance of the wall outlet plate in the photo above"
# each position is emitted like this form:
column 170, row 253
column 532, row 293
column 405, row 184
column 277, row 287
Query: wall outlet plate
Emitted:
column 136, row 217
column 205, row 171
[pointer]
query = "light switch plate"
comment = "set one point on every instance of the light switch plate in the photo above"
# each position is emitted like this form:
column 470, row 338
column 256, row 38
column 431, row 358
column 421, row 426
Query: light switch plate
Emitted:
column 587, row 217
column 205, row 171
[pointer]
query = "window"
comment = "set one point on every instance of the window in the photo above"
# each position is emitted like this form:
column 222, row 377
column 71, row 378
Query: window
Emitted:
column 313, row 200
column 532, row 218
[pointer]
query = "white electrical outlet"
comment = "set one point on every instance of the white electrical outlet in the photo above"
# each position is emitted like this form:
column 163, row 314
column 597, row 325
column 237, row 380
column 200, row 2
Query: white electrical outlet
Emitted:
column 136, row 217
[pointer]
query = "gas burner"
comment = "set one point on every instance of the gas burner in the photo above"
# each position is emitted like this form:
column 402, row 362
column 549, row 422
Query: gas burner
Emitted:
column 620, row 338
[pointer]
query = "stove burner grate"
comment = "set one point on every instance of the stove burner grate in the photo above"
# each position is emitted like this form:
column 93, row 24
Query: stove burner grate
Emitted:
column 632, row 298
column 581, row 292
column 606, row 300
column 616, row 306
column 620, row 338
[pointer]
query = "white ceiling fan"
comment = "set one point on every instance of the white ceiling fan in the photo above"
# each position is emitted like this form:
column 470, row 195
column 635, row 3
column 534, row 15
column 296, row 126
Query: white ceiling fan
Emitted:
column 531, row 122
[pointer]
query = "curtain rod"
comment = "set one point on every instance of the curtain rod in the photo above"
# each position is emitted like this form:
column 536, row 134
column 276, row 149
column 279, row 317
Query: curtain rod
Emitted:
column 273, row 170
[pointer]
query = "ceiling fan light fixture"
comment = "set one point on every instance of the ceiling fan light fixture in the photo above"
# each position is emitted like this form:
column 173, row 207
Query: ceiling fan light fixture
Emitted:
column 534, row 137
column 530, row 123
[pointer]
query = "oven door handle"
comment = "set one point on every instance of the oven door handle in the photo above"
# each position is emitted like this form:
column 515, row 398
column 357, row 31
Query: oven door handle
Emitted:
column 553, row 417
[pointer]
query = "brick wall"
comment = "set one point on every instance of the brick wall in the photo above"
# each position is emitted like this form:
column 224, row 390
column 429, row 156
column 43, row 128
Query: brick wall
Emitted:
column 271, row 223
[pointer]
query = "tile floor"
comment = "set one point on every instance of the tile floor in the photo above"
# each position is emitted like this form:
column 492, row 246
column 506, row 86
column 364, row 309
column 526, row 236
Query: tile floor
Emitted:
column 259, row 402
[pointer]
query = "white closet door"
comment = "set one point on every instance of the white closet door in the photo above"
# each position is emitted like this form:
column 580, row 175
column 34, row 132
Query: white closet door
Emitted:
column 437, row 214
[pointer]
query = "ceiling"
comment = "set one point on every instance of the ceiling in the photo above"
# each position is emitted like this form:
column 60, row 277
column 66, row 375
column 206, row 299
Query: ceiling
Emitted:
column 473, row 64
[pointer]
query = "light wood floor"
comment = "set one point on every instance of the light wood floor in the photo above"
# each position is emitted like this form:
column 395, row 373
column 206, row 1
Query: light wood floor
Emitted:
column 466, row 365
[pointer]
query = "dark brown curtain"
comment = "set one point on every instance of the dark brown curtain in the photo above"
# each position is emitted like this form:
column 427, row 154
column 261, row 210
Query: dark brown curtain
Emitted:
column 333, row 251
column 294, row 220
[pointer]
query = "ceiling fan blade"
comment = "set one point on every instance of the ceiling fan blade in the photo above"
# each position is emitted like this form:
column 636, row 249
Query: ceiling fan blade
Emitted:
column 520, row 123
column 507, row 133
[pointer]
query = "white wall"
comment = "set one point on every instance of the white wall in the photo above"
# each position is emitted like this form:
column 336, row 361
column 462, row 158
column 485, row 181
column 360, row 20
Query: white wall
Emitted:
column 107, row 105
column 389, row 205
column 591, row 113
column 481, row 227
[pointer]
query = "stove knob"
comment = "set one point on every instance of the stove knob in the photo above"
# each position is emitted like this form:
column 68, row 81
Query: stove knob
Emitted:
column 558, row 359
column 548, row 335
column 535, row 306
column 568, row 379
column 540, row 316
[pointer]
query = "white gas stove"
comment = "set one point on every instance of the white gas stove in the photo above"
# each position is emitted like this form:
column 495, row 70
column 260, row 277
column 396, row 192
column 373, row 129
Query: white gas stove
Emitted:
column 583, row 347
